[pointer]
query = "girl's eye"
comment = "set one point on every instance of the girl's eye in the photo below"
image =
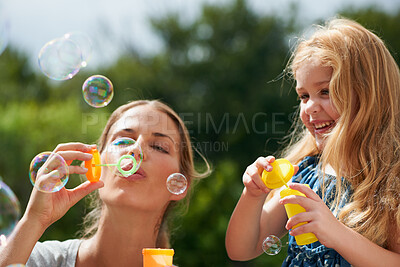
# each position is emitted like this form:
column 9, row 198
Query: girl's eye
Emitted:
column 325, row 92
column 302, row 97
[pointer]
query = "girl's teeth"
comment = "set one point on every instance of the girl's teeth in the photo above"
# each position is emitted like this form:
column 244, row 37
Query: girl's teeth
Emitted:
column 321, row 125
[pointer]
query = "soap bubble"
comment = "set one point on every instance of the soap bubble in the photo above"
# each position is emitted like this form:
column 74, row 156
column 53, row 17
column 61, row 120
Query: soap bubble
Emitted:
column 98, row 91
column 60, row 59
column 84, row 43
column 272, row 245
column 126, row 154
column 48, row 172
column 9, row 211
column 176, row 183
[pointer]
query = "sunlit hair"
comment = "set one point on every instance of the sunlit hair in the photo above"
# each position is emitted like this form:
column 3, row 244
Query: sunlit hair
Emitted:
column 186, row 165
column 364, row 146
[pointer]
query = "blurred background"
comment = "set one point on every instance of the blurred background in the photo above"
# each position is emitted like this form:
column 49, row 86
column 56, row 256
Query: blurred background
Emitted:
column 219, row 64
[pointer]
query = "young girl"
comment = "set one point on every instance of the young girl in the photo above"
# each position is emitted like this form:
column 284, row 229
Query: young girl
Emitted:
column 132, row 211
column 349, row 90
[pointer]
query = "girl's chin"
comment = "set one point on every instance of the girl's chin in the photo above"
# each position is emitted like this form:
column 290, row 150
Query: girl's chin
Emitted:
column 320, row 143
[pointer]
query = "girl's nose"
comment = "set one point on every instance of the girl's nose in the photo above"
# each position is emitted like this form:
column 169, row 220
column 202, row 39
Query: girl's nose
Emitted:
column 312, row 106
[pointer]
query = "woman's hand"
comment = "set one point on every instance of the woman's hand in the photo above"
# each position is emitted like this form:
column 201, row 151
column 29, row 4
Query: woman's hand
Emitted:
column 320, row 218
column 46, row 208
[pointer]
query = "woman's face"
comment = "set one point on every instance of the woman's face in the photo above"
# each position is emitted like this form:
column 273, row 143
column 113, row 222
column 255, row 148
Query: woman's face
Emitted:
column 159, row 139
column 316, row 108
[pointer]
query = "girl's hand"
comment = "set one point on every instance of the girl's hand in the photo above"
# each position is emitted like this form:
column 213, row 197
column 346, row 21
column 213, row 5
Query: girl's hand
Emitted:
column 46, row 208
column 252, row 176
column 320, row 218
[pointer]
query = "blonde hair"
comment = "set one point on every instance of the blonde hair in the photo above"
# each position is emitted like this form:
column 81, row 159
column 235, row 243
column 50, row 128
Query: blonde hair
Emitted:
column 91, row 220
column 364, row 146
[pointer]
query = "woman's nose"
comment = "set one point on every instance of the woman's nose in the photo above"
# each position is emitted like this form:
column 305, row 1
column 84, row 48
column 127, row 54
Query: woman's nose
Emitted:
column 136, row 149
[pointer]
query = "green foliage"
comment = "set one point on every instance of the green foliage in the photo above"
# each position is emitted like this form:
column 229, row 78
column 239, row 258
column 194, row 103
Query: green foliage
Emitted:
column 223, row 74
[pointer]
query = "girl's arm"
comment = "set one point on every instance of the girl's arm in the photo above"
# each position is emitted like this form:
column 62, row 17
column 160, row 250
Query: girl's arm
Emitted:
column 44, row 209
column 352, row 246
column 359, row 251
column 251, row 220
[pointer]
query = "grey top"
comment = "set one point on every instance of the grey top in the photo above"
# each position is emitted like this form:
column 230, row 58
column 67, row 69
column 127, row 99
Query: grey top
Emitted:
column 54, row 253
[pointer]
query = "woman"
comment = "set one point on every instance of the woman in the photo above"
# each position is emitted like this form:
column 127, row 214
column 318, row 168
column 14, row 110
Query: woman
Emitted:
column 132, row 211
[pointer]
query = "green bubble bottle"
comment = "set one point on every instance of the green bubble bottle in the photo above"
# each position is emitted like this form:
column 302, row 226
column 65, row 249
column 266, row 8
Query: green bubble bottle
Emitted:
column 282, row 172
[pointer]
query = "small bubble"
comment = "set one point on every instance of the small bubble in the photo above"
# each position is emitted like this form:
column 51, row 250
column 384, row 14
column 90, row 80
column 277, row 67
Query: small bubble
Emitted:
column 176, row 183
column 98, row 91
column 272, row 245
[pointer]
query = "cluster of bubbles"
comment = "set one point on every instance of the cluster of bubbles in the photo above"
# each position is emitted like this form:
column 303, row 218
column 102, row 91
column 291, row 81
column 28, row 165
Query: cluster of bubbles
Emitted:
column 10, row 212
column 62, row 58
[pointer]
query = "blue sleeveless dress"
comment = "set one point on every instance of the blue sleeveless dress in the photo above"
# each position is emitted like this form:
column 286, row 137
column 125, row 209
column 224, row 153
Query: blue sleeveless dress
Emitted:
column 316, row 254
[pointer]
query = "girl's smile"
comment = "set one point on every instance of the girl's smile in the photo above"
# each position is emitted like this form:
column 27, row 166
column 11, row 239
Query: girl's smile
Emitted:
column 316, row 108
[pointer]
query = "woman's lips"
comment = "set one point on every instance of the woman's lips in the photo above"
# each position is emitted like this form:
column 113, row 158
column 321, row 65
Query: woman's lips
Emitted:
column 139, row 174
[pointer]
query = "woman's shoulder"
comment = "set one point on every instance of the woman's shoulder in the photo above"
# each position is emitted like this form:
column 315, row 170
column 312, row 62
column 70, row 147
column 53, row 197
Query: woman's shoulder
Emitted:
column 54, row 253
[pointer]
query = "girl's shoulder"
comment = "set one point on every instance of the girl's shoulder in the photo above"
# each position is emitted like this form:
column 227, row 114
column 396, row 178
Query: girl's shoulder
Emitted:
column 307, row 173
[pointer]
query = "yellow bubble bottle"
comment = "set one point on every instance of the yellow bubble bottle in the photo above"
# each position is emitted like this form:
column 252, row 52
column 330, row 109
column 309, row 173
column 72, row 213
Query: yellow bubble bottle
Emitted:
column 157, row 257
column 282, row 172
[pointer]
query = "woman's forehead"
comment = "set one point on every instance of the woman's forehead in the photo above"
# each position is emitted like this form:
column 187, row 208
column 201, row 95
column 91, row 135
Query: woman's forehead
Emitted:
column 145, row 118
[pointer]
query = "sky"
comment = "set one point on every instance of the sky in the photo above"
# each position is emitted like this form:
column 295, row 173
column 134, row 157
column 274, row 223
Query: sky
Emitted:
column 33, row 23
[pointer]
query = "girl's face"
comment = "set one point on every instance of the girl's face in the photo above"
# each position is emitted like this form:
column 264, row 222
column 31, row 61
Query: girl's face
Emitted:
column 316, row 109
column 159, row 139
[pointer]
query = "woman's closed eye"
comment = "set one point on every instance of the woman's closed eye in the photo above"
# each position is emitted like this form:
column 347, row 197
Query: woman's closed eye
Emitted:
column 159, row 148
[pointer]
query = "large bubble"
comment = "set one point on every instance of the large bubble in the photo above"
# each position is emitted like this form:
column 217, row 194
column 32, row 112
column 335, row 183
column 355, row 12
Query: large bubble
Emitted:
column 10, row 211
column 98, row 91
column 62, row 58
column 48, row 172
